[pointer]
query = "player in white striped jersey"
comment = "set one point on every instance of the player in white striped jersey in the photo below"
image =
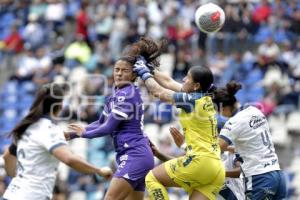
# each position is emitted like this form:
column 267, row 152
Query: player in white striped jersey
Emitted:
column 40, row 146
column 248, row 130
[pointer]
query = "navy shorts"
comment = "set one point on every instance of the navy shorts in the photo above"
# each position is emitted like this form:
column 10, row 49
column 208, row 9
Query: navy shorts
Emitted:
column 227, row 194
column 270, row 185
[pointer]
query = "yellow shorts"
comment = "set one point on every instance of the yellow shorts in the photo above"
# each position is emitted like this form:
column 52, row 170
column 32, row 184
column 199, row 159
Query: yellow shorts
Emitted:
column 194, row 172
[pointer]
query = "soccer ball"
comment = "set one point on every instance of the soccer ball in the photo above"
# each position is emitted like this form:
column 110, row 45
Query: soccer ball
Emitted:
column 209, row 18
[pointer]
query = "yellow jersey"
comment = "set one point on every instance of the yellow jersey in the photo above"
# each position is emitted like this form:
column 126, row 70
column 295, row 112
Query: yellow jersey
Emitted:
column 199, row 123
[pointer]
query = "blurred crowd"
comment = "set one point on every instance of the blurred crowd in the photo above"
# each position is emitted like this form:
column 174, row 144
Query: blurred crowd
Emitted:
column 78, row 41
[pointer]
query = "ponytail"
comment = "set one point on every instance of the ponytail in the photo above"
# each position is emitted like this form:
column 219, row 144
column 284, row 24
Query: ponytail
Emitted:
column 226, row 96
column 147, row 48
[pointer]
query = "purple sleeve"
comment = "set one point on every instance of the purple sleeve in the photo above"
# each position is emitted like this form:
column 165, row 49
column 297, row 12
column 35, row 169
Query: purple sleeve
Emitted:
column 101, row 118
column 95, row 124
column 104, row 129
column 92, row 125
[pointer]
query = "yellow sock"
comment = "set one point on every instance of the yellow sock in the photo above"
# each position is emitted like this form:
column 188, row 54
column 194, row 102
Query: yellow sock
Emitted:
column 155, row 189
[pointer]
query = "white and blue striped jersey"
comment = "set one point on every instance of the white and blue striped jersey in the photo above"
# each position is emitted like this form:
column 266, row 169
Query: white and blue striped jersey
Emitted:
column 249, row 132
column 36, row 166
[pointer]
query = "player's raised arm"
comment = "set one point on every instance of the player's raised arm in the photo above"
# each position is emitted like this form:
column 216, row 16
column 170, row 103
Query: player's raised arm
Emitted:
column 166, row 81
column 153, row 87
column 198, row 81
column 162, row 93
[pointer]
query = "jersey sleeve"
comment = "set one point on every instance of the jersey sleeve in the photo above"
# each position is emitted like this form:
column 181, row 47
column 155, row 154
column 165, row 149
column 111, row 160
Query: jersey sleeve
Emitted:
column 230, row 131
column 186, row 101
column 123, row 105
column 52, row 138
column 221, row 121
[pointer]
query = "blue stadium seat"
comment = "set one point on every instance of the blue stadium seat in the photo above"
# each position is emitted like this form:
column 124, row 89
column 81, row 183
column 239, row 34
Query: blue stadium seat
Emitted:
column 10, row 87
column 242, row 96
column 4, row 141
column 6, row 21
column 27, row 99
column 254, row 77
column 9, row 99
column 9, row 114
column 264, row 32
column 28, row 87
column 255, row 94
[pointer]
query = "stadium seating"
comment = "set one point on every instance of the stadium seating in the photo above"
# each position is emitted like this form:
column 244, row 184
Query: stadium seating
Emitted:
column 279, row 130
column 252, row 69
column 292, row 123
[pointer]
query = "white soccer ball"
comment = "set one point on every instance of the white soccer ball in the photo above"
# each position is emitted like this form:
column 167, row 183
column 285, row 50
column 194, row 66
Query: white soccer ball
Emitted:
column 209, row 18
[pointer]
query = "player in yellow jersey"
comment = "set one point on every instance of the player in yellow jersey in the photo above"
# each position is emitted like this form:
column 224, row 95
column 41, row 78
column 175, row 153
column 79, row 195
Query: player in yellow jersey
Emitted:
column 200, row 172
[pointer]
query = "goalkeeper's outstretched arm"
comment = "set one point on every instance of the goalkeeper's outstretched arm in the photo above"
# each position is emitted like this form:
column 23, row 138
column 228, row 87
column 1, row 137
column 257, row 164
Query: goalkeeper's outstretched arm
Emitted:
column 166, row 81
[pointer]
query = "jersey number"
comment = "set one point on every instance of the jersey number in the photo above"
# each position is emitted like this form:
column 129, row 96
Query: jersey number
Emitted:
column 266, row 140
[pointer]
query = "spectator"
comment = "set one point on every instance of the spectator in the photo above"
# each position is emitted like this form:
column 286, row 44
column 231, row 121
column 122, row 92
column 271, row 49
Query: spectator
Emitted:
column 118, row 34
column 258, row 45
column 82, row 20
column 269, row 49
column 104, row 24
column 37, row 9
column 77, row 52
column 33, row 33
column 181, row 66
column 13, row 43
column 55, row 15
column 42, row 73
column 26, row 66
column 262, row 12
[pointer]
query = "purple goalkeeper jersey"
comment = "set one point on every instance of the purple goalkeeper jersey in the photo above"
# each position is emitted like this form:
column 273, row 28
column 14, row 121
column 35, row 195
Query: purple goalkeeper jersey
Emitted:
column 126, row 104
column 124, row 122
column 134, row 156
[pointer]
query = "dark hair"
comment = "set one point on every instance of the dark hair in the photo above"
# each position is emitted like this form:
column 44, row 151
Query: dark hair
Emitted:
column 204, row 76
column 45, row 100
column 226, row 96
column 145, row 47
